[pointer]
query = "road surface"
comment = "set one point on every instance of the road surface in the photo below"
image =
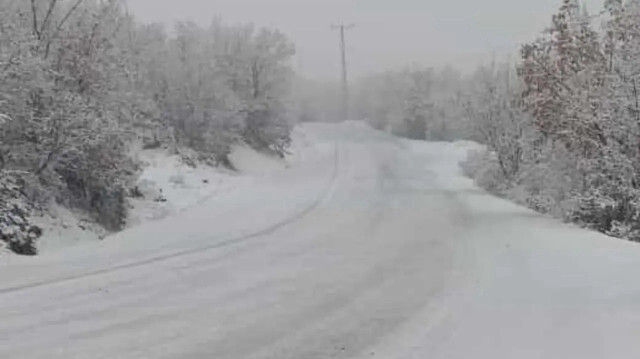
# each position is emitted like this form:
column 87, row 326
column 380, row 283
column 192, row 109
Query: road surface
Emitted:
column 368, row 247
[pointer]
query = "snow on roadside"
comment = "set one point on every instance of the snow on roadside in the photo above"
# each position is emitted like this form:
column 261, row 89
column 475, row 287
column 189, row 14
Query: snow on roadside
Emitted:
column 246, row 160
column 167, row 186
column 63, row 228
column 448, row 157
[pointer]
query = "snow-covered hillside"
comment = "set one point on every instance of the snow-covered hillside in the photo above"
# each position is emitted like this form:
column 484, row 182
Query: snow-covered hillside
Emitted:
column 167, row 185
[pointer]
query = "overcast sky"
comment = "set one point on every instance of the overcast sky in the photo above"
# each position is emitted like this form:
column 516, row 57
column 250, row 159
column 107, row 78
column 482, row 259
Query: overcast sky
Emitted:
column 388, row 33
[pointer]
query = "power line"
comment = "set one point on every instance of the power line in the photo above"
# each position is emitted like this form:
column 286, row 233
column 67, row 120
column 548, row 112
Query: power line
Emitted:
column 343, row 57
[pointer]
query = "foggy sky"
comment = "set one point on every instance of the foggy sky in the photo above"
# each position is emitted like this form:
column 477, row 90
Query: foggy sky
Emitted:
column 388, row 33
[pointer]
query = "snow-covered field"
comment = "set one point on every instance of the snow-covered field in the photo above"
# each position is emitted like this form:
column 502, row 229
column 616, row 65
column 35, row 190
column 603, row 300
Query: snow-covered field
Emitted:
column 360, row 245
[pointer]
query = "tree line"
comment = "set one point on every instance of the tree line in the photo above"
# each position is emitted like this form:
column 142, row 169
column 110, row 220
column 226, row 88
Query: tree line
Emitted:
column 82, row 82
column 561, row 124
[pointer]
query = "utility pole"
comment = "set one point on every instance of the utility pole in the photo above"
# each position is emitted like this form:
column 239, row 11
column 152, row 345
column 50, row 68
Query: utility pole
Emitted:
column 345, row 80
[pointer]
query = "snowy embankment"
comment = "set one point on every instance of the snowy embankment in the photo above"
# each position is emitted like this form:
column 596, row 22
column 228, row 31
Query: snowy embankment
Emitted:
column 170, row 186
column 167, row 185
column 194, row 198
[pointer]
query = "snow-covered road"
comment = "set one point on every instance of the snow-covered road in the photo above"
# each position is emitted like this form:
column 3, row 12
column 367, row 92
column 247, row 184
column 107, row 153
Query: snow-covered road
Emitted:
column 368, row 246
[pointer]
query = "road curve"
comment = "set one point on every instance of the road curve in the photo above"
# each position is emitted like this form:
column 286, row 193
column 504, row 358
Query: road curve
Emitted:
column 399, row 257
column 328, row 282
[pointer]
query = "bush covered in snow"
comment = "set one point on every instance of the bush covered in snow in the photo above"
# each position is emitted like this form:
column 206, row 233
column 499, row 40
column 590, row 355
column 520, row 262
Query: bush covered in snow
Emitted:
column 96, row 178
column 16, row 229
column 483, row 167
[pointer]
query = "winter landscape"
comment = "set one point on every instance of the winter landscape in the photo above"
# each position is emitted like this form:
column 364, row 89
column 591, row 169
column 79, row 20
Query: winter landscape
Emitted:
column 196, row 179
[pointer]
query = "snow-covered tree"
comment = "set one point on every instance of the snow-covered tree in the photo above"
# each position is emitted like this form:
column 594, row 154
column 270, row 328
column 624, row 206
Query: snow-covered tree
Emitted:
column 80, row 81
column 575, row 119
column 497, row 117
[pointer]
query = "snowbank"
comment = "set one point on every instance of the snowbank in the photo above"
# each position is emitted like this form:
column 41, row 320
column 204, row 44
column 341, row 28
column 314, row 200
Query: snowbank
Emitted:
column 246, row 160
column 166, row 186
column 63, row 228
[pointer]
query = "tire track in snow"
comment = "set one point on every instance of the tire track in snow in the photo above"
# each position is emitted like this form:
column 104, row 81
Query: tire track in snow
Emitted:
column 324, row 194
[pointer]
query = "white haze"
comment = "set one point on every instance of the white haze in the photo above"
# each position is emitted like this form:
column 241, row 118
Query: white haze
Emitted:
column 388, row 34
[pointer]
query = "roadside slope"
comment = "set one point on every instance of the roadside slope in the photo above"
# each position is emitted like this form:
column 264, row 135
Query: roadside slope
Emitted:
column 256, row 203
